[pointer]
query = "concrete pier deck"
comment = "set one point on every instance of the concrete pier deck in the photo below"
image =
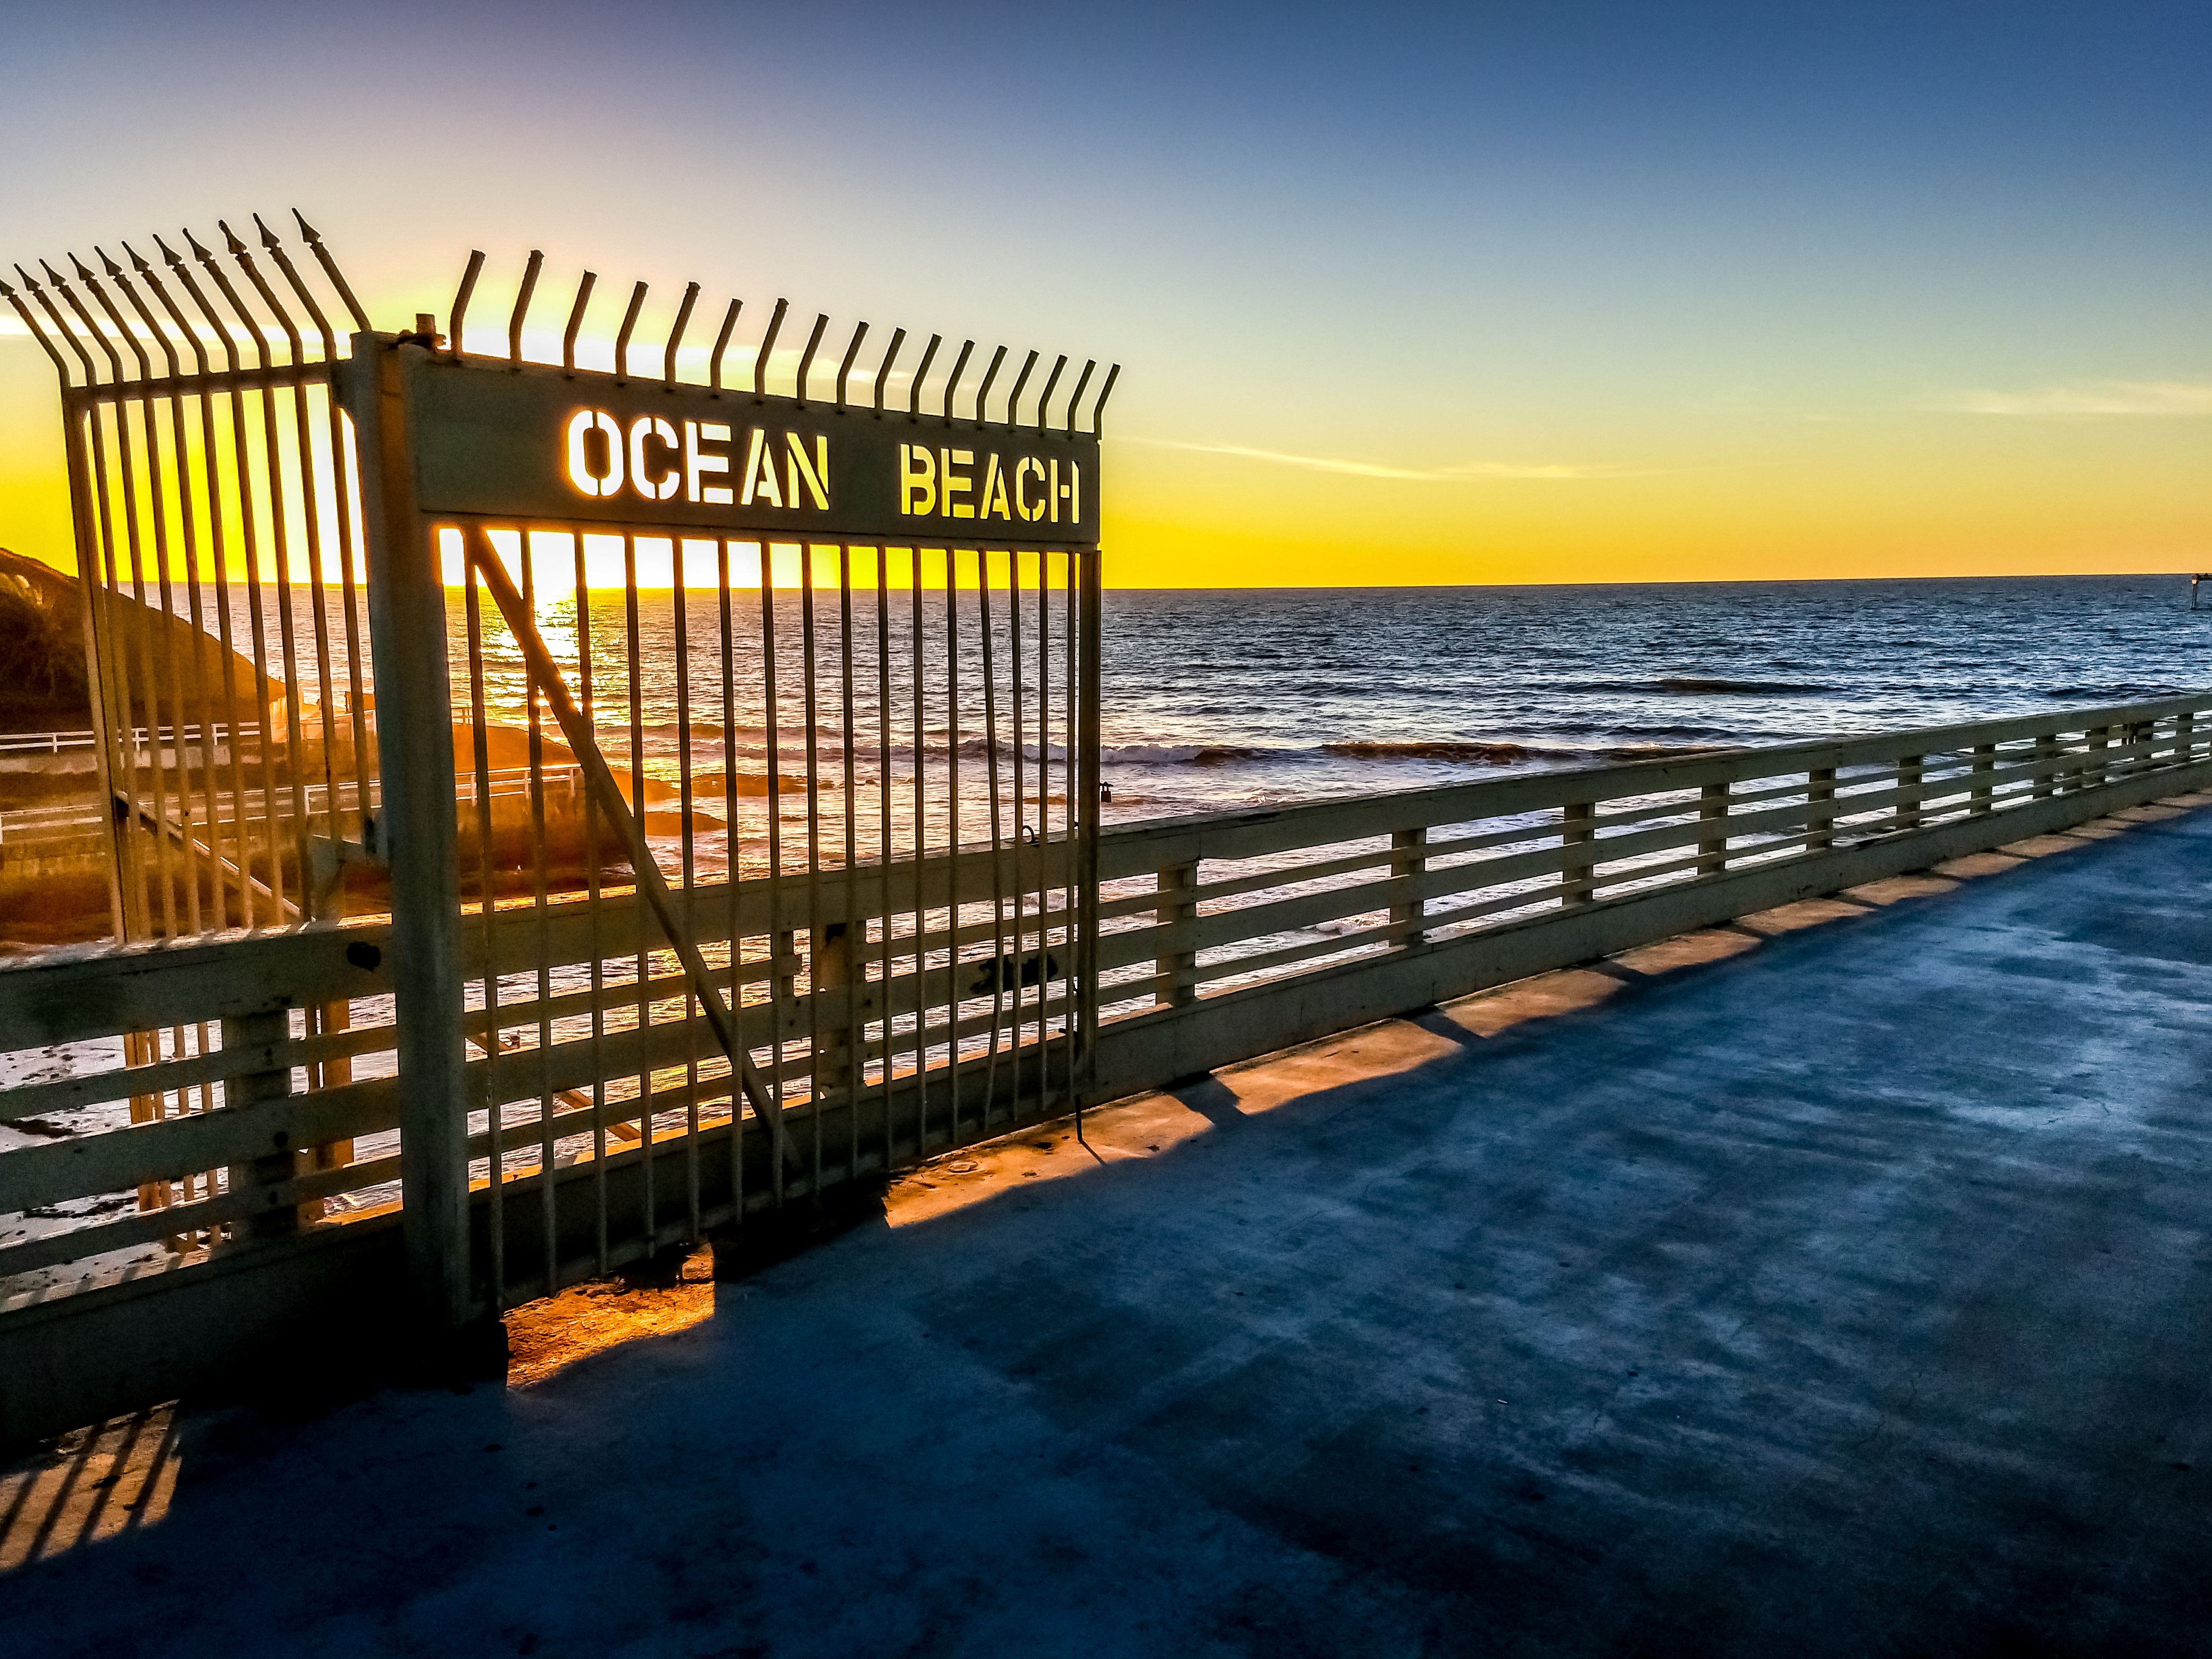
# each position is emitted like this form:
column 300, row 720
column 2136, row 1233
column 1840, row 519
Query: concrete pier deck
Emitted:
column 1841, row 1288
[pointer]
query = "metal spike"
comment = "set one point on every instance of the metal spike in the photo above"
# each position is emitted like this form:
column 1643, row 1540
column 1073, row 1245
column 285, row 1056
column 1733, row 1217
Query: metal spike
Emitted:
column 6, row 293
column 82, row 275
column 629, row 324
column 521, row 313
column 176, row 259
column 675, row 336
column 844, row 368
column 767, row 346
column 308, row 233
column 921, row 373
column 806, row 357
column 461, row 300
column 137, row 260
column 106, row 263
column 268, row 237
column 1014, row 397
column 722, row 344
column 26, row 275
column 1098, row 409
column 1076, row 402
column 576, row 320
column 236, row 246
column 952, row 385
column 983, row 392
column 198, row 252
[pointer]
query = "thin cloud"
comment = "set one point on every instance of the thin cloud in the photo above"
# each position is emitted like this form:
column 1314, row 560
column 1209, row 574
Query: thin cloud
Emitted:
column 2153, row 397
column 1464, row 473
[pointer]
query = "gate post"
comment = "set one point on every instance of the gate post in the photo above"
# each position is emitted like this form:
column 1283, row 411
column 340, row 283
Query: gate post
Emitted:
column 414, row 832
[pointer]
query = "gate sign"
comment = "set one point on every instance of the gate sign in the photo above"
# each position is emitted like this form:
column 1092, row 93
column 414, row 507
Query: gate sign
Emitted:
column 534, row 443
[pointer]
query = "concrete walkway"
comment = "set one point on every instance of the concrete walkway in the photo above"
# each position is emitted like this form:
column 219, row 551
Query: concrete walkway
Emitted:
column 1844, row 1292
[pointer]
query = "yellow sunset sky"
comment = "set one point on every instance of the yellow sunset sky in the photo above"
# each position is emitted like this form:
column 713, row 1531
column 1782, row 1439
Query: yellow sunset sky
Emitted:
column 1592, row 293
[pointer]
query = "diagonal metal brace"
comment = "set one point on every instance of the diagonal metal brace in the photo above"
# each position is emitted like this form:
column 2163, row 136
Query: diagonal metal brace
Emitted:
column 601, row 782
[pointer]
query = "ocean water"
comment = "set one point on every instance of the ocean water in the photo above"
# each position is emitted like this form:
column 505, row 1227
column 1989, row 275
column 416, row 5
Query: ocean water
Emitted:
column 1240, row 697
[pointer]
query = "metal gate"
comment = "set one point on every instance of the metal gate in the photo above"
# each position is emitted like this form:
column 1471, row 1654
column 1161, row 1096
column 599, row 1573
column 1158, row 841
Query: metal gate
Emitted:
column 722, row 760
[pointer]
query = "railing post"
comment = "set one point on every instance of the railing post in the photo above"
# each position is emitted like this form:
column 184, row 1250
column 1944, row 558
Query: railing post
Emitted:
column 1985, row 764
column 2093, row 766
column 264, row 1030
column 2184, row 739
column 1712, row 808
column 1820, row 808
column 1578, row 828
column 415, row 830
column 1910, row 773
column 1175, row 912
column 2047, row 771
column 829, row 969
column 1408, row 862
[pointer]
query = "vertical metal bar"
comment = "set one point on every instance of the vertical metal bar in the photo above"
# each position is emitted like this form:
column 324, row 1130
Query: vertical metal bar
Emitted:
column 998, row 953
column 886, row 1013
column 1071, row 791
column 487, row 918
column 594, row 915
column 548, row 1188
column 407, row 627
column 917, row 690
column 852, row 1031
column 733, row 873
column 814, row 1086
column 641, row 850
column 1089, row 782
column 680, row 622
column 780, row 943
column 952, row 827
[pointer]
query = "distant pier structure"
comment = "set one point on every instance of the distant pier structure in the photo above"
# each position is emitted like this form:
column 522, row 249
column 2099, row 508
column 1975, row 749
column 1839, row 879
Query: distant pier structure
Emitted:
column 2198, row 577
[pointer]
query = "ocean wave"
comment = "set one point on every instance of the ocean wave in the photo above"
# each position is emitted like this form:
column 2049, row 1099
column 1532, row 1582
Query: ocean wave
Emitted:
column 1689, row 686
column 1480, row 754
column 2111, row 693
